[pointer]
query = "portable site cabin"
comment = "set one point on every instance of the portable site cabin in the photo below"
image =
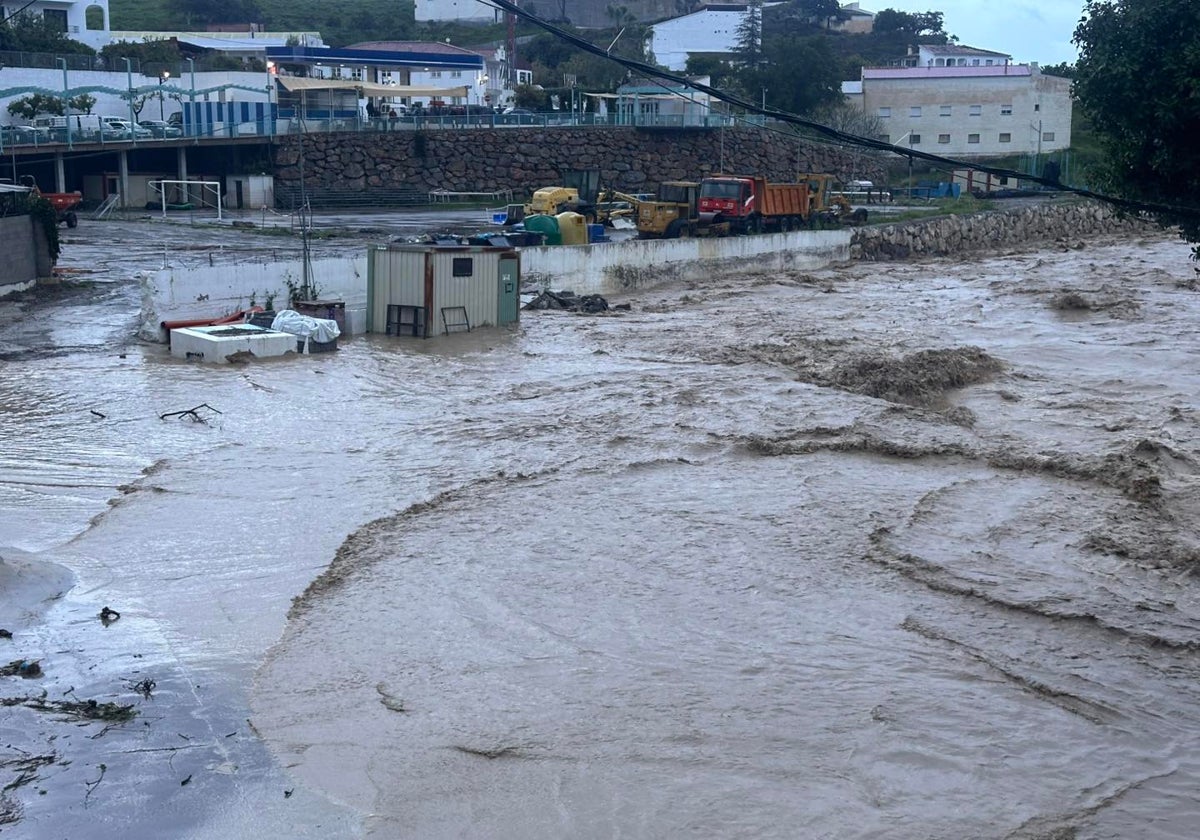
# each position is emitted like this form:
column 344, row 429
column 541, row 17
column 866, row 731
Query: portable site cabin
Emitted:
column 425, row 290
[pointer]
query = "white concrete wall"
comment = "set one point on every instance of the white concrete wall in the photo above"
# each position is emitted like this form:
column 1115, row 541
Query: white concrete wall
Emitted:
column 700, row 32
column 637, row 264
column 113, row 105
column 464, row 10
column 605, row 268
column 180, row 293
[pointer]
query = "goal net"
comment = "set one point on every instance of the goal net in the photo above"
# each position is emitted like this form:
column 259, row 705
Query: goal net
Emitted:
column 186, row 195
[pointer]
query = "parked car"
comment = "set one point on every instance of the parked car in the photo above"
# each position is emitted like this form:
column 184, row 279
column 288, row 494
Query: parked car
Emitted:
column 16, row 135
column 518, row 116
column 161, row 128
column 116, row 128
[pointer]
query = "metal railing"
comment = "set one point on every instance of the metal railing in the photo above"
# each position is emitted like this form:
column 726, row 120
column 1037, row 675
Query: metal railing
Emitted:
column 26, row 137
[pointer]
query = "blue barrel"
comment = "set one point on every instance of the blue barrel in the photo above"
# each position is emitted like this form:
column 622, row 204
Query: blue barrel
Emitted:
column 595, row 233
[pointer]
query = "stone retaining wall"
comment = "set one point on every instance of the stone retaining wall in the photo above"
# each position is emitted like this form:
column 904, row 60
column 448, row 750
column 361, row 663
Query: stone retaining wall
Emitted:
column 946, row 235
column 525, row 159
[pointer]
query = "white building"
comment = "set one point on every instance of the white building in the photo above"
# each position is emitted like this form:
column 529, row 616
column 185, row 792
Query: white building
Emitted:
column 710, row 31
column 466, row 11
column 81, row 20
column 967, row 110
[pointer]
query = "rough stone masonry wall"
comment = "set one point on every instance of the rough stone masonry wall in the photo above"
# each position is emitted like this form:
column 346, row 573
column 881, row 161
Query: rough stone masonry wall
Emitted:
column 525, row 159
column 947, row 235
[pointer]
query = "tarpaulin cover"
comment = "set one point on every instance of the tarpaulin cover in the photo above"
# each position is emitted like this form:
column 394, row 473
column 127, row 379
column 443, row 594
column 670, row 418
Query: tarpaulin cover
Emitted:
column 305, row 326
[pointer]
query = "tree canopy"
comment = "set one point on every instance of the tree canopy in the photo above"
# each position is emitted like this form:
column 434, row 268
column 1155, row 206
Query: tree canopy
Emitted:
column 34, row 33
column 1137, row 80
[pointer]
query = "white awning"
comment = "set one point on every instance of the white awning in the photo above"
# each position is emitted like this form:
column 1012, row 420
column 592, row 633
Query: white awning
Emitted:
column 296, row 84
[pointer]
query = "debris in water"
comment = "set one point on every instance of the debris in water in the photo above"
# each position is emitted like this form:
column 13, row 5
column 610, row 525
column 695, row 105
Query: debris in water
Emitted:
column 27, row 668
column 98, row 414
column 5, row 634
column 108, row 616
column 570, row 302
column 193, row 413
column 1071, row 301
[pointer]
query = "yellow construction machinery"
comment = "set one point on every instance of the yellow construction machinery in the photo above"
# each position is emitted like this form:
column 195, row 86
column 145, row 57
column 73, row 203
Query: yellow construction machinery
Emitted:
column 827, row 203
column 672, row 213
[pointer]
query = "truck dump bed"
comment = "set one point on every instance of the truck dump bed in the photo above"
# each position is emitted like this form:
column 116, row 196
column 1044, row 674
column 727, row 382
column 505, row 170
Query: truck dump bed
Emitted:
column 784, row 200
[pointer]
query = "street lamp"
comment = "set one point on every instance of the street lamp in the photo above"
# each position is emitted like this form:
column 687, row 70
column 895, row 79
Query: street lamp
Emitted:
column 66, row 100
column 166, row 74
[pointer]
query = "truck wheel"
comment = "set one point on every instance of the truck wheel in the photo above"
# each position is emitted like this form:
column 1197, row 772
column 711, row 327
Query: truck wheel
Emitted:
column 72, row 220
column 672, row 231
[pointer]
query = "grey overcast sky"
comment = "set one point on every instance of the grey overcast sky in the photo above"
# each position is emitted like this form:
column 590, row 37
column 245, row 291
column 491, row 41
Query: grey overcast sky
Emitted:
column 1029, row 30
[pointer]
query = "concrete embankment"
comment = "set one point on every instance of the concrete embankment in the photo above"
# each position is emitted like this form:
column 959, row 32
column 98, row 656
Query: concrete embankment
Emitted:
column 615, row 268
column 948, row 235
column 640, row 264
column 605, row 268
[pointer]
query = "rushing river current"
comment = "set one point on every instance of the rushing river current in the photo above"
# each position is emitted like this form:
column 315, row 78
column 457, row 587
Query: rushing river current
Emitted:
column 882, row 551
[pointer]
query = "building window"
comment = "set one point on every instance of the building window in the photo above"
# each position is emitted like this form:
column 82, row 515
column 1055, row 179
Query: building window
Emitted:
column 972, row 138
column 943, row 110
column 1037, row 106
column 1006, row 110
column 975, row 62
column 356, row 73
column 56, row 19
column 1005, row 137
column 464, row 266
column 884, row 113
column 941, row 62
column 975, row 111
column 435, row 74
column 987, row 63
column 1048, row 135
column 455, row 74
column 915, row 111
column 914, row 139
column 943, row 139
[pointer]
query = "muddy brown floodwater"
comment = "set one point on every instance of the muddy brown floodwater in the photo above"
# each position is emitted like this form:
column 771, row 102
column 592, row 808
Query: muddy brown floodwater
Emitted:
column 881, row 551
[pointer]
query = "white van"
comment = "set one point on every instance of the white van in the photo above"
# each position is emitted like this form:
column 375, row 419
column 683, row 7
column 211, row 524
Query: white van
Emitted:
column 82, row 126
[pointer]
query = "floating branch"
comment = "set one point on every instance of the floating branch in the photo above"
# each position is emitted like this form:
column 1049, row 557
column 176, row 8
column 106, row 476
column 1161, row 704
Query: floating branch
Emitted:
column 193, row 413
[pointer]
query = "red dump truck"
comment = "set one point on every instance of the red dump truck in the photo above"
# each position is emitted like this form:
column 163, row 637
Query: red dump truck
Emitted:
column 746, row 204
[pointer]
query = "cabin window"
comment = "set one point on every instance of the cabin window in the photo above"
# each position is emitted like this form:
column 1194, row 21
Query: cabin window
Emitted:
column 464, row 266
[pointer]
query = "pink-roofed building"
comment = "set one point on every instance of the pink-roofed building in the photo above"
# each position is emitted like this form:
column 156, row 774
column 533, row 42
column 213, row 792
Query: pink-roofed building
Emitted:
column 964, row 102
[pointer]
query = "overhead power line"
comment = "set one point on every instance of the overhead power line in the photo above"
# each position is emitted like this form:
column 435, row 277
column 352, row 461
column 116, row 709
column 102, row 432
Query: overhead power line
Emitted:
column 833, row 134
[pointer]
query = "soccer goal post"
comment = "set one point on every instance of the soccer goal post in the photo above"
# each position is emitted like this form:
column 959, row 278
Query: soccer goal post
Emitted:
column 209, row 192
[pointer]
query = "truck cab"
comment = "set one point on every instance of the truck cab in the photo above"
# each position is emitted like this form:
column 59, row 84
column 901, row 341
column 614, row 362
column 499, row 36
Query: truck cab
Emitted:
column 726, row 197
